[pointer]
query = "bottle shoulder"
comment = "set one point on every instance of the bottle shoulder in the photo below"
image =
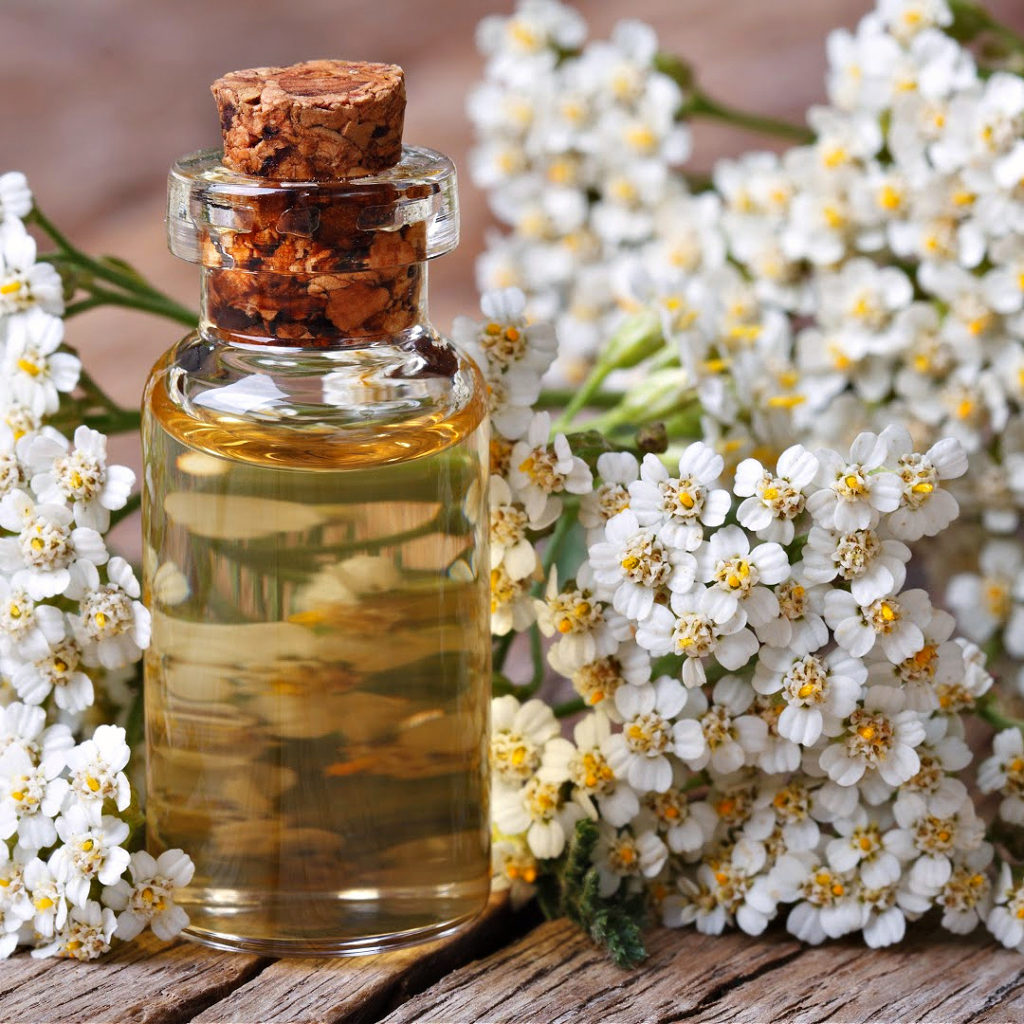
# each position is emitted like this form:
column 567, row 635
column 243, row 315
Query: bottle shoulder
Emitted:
column 329, row 408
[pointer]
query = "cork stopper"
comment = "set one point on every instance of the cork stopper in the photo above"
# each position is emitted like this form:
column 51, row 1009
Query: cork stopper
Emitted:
column 322, row 120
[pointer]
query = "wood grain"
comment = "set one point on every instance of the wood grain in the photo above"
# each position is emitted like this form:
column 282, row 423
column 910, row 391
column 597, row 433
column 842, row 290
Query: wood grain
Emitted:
column 144, row 982
column 357, row 989
column 556, row 975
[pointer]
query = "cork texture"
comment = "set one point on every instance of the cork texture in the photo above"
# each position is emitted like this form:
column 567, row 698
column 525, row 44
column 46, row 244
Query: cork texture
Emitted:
column 321, row 120
column 307, row 271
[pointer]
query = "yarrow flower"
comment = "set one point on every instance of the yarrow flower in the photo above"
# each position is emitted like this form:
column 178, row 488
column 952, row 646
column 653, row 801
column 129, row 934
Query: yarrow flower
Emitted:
column 69, row 614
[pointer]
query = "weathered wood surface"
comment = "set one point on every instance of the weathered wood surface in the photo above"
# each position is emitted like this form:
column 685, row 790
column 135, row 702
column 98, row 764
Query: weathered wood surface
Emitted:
column 495, row 974
column 554, row 975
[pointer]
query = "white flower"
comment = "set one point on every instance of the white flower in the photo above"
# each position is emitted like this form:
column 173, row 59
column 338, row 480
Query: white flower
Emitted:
column 933, row 840
column 895, row 622
column 518, row 735
column 639, row 752
column 539, row 470
column 1006, row 919
column 513, row 867
column 46, row 546
column 1003, row 772
column 509, row 544
column 56, row 672
column 873, row 567
column 773, row 501
column 906, row 18
column 96, row 770
column 799, row 627
column 859, row 846
column 625, row 854
column 511, row 604
column 982, row 603
column 585, row 763
column 15, row 196
column 926, row 508
column 740, row 577
column 25, row 727
column 23, row 282
column 538, row 810
column 31, row 351
column 91, row 850
column 719, row 735
column 637, row 564
column 690, row 626
column 27, row 630
column 879, row 736
column 80, row 476
column 150, row 897
column 966, row 898
column 687, row 827
column 819, row 691
column 852, row 495
column 112, row 626
column 617, row 471
column 31, row 794
column 587, row 629
column 506, row 339
column 49, row 903
column 677, row 506
column 85, row 935
column 828, row 907
column 597, row 681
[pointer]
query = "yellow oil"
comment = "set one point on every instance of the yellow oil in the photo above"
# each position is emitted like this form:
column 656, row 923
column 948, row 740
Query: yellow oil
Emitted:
column 317, row 685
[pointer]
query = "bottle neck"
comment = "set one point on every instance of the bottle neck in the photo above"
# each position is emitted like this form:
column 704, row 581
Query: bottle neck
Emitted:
column 309, row 310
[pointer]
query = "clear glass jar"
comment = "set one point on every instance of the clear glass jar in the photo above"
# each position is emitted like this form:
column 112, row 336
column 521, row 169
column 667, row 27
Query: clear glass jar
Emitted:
column 317, row 687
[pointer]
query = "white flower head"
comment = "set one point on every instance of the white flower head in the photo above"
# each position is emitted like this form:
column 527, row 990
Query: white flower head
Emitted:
column 518, row 735
column 540, row 470
column 739, row 577
column 96, row 770
column 878, row 736
column 90, row 850
column 112, row 625
column 693, row 626
column 639, row 753
column 149, row 899
column 774, row 500
column 79, row 476
column 678, row 507
column 636, row 564
column 853, row 492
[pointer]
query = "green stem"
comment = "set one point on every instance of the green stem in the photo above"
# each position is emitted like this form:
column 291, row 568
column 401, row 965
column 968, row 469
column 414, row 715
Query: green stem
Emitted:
column 569, row 707
column 159, row 306
column 557, row 539
column 537, row 656
column 700, row 105
column 559, row 398
column 582, row 398
column 971, row 19
column 989, row 711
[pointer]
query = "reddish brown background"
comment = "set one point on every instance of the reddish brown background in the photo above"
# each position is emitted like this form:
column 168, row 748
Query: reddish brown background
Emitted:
column 98, row 97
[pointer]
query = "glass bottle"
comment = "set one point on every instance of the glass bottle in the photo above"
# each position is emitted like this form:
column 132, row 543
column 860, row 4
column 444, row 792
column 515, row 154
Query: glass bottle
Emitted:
column 317, row 687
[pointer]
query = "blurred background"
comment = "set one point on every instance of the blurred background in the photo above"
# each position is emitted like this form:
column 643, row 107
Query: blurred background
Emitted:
column 101, row 96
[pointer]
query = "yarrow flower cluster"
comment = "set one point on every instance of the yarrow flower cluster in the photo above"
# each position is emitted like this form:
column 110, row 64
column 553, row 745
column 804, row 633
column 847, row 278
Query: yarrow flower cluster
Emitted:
column 70, row 619
column 773, row 711
column 872, row 276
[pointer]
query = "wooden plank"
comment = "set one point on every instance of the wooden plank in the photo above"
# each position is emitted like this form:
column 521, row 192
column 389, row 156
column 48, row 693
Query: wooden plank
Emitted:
column 933, row 976
column 354, row 990
column 144, row 982
column 555, row 974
